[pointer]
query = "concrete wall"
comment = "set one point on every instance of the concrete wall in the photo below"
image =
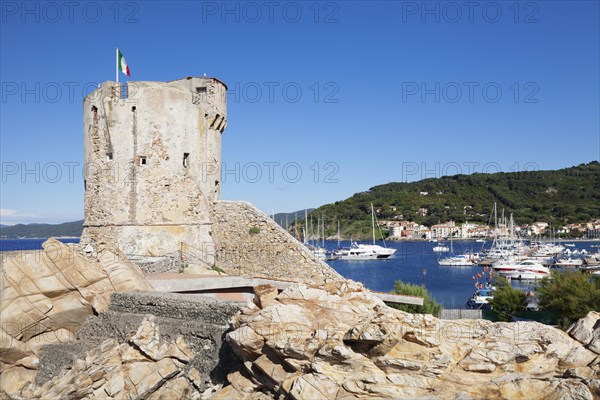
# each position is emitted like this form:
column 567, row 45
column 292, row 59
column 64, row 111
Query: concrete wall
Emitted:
column 270, row 253
column 151, row 208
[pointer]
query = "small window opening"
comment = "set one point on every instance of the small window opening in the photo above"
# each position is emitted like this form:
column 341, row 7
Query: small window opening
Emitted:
column 143, row 160
column 201, row 89
column 186, row 159
column 94, row 109
column 133, row 108
column 109, row 156
column 84, row 185
column 215, row 121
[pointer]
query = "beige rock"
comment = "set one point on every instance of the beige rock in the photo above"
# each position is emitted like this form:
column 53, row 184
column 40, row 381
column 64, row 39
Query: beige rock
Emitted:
column 195, row 377
column 583, row 330
column 31, row 362
column 11, row 349
column 45, row 295
column 114, row 370
column 15, row 379
column 340, row 342
column 264, row 295
column 311, row 386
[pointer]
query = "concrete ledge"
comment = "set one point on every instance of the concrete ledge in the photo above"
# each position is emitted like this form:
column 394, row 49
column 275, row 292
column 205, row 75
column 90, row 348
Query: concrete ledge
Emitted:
column 187, row 284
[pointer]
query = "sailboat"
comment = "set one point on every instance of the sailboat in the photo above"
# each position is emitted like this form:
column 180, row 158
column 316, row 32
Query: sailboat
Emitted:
column 460, row 260
column 359, row 251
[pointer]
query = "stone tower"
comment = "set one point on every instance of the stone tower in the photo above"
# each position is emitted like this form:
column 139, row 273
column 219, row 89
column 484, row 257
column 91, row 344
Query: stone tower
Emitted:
column 153, row 156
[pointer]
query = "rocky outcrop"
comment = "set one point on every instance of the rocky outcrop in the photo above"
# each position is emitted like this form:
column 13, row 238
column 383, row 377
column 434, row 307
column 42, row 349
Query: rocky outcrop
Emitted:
column 587, row 331
column 341, row 342
column 337, row 341
column 45, row 296
column 144, row 367
column 248, row 242
column 146, row 345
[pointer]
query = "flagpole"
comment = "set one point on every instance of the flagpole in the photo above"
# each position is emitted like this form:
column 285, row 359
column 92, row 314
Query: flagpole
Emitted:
column 117, row 64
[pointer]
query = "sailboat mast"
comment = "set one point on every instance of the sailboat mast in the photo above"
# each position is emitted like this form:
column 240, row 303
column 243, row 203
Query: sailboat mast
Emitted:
column 323, row 230
column 373, row 221
column 495, row 223
column 305, row 225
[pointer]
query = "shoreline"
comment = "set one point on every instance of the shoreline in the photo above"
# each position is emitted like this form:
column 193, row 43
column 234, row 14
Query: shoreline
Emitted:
column 43, row 238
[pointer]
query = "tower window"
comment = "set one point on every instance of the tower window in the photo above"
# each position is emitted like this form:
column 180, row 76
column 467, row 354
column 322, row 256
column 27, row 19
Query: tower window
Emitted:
column 133, row 108
column 186, row 159
column 143, row 160
column 94, row 109
column 201, row 89
column 109, row 156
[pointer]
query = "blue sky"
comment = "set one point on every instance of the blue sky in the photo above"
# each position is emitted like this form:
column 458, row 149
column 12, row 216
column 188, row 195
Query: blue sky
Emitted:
column 326, row 99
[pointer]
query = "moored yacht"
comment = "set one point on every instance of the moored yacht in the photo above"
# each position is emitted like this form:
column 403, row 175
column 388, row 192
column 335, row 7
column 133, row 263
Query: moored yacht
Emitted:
column 569, row 262
column 461, row 260
column 525, row 269
column 359, row 251
column 441, row 249
column 481, row 298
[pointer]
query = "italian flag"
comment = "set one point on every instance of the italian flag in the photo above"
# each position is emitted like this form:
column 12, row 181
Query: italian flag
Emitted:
column 123, row 67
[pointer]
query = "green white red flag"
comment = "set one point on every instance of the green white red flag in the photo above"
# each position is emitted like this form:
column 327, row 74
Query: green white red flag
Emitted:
column 121, row 64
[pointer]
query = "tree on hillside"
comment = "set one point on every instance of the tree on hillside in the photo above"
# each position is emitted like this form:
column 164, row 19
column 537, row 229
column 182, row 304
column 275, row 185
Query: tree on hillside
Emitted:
column 507, row 301
column 430, row 306
column 570, row 294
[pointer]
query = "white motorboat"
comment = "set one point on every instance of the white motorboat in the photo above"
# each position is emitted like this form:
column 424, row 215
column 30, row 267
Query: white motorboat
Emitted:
column 457, row 261
column 359, row 251
column 525, row 269
column 319, row 252
column 569, row 262
column 441, row 249
column 481, row 299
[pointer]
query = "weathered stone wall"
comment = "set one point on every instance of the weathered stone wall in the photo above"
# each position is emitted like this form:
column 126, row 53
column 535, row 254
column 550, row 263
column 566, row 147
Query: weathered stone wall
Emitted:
column 271, row 252
column 153, row 164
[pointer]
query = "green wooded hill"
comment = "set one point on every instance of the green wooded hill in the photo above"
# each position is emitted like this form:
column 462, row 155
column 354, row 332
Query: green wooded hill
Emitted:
column 559, row 197
column 72, row 229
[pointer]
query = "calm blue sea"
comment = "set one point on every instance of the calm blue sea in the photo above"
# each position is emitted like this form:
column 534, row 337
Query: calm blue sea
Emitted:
column 27, row 244
column 413, row 262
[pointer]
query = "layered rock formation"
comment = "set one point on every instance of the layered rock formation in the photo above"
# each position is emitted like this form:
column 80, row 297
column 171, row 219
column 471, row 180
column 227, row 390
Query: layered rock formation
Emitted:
column 45, row 296
column 340, row 342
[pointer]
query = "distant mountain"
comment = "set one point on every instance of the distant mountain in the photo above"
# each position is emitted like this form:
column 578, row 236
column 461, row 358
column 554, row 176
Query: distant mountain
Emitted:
column 282, row 218
column 73, row 229
column 558, row 197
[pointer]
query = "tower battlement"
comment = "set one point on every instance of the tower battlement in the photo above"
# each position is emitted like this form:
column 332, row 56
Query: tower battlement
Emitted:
column 153, row 155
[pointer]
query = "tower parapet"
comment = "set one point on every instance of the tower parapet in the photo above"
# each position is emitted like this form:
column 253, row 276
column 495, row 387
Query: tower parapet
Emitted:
column 153, row 155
